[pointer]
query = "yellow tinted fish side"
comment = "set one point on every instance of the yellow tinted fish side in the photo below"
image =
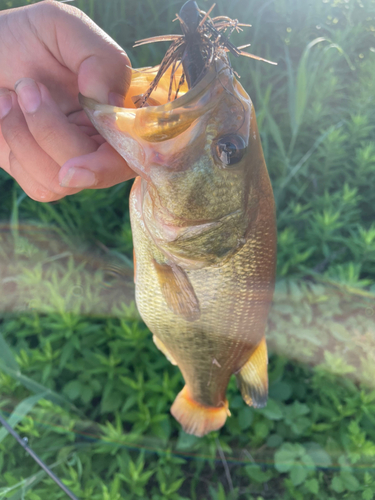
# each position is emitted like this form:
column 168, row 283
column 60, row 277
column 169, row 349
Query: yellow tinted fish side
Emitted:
column 203, row 222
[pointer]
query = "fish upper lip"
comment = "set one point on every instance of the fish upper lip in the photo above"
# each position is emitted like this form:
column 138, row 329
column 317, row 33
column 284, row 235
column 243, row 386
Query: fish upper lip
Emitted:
column 216, row 67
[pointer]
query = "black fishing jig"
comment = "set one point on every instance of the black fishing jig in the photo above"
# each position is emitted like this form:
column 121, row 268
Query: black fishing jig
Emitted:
column 202, row 40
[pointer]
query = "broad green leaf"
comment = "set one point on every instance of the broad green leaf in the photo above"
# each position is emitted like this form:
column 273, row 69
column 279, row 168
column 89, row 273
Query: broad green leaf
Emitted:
column 312, row 485
column 261, row 430
column 274, row 441
column 255, row 472
column 308, row 462
column 368, row 494
column 272, row 411
column 337, row 485
column 280, row 391
column 186, row 441
column 73, row 389
column 218, row 494
column 349, row 481
column 245, row 418
column 287, row 456
column 318, row 454
column 298, row 409
column 298, row 474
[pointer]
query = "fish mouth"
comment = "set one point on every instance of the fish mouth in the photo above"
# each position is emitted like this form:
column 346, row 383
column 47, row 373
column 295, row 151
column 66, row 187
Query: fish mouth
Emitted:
column 136, row 134
column 147, row 126
column 212, row 72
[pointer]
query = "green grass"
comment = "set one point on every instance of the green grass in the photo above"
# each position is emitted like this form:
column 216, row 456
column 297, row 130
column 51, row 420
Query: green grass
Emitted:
column 79, row 374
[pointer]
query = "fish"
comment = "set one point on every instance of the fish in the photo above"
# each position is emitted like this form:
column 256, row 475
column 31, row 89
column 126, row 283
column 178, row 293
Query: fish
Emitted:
column 204, row 231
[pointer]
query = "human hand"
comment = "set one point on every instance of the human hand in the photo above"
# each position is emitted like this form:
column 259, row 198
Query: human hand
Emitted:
column 53, row 51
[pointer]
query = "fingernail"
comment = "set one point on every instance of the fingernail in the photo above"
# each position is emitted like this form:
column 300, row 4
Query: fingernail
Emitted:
column 29, row 94
column 115, row 99
column 78, row 178
column 5, row 103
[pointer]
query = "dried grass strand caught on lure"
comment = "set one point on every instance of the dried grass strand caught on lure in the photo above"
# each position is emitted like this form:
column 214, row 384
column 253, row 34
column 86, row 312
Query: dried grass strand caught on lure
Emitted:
column 211, row 37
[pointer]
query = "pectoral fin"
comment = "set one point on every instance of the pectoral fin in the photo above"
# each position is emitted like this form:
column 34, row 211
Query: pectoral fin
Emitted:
column 177, row 291
column 252, row 379
column 160, row 345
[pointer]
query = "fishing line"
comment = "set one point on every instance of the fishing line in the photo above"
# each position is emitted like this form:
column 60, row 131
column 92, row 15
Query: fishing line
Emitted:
column 39, row 461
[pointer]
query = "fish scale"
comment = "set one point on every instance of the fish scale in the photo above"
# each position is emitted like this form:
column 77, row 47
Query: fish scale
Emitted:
column 204, row 238
column 224, row 323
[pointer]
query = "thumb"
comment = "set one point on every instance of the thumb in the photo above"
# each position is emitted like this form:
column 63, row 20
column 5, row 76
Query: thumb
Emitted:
column 102, row 67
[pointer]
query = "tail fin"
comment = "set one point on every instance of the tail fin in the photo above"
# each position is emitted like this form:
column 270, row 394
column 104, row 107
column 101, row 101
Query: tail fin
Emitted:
column 196, row 418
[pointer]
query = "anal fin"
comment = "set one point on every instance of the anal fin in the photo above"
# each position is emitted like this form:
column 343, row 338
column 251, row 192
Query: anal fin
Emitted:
column 160, row 345
column 252, row 379
column 177, row 291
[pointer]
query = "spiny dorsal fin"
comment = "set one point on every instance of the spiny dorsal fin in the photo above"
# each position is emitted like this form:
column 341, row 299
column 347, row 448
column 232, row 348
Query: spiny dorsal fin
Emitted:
column 252, row 379
column 177, row 291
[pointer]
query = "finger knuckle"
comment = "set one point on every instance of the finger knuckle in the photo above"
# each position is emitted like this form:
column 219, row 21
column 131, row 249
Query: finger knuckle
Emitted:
column 52, row 9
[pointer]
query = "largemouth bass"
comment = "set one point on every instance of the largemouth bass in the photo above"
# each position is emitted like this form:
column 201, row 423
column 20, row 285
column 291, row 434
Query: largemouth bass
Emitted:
column 203, row 223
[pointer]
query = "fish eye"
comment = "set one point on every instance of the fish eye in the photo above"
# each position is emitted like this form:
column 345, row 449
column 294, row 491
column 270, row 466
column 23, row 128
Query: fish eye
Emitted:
column 230, row 149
